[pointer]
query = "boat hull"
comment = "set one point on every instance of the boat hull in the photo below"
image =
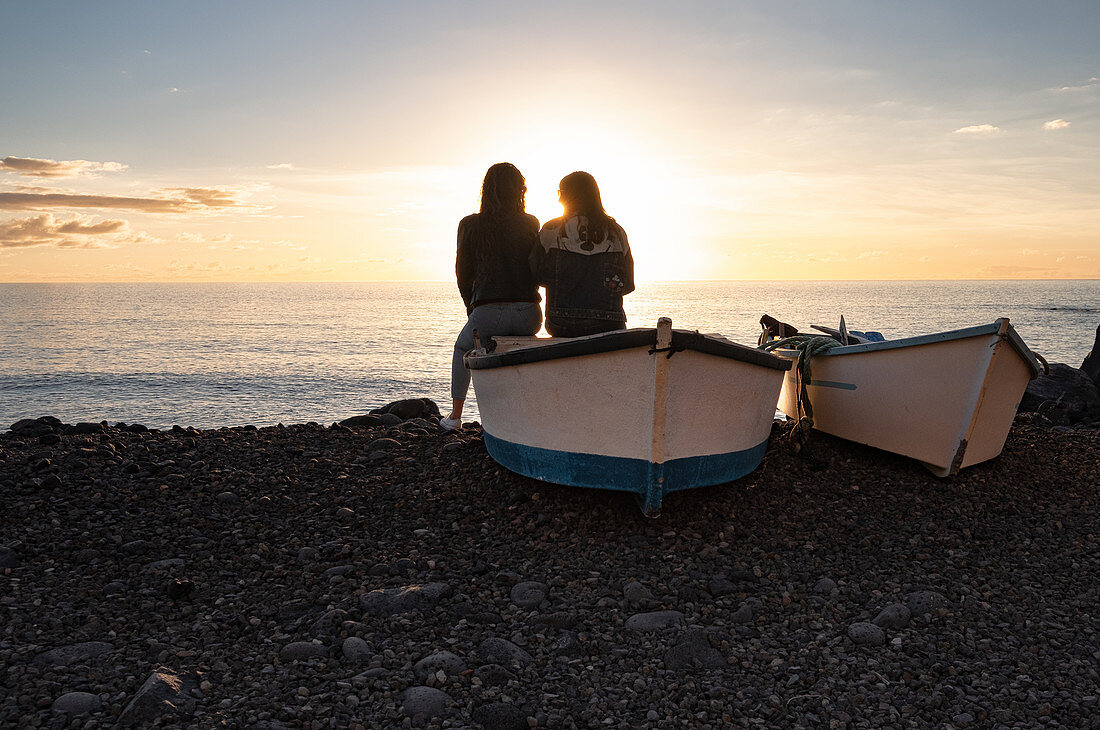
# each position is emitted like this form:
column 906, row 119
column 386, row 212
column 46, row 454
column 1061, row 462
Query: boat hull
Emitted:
column 947, row 400
column 629, row 419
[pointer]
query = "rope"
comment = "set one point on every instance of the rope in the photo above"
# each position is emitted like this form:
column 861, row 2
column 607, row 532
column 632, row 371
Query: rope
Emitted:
column 807, row 346
column 1043, row 360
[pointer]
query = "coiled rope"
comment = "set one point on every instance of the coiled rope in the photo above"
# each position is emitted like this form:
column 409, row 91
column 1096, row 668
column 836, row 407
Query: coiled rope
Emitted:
column 807, row 346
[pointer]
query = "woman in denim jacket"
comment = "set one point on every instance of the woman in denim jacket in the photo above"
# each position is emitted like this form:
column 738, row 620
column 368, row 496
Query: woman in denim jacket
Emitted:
column 584, row 262
column 494, row 275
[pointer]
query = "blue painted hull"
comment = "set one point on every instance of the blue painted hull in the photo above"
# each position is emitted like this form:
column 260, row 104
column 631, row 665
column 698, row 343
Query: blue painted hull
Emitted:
column 649, row 481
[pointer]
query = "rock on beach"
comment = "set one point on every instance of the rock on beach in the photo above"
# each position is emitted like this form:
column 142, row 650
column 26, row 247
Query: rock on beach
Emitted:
column 164, row 693
column 77, row 704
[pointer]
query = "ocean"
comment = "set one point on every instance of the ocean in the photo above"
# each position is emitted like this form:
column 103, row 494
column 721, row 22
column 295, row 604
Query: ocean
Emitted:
column 212, row 355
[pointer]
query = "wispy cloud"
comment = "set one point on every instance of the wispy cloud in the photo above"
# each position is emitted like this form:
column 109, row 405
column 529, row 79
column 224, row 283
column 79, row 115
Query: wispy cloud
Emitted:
column 281, row 166
column 1091, row 83
column 178, row 200
column 292, row 245
column 45, row 230
column 978, row 129
column 211, row 197
column 35, row 167
column 1055, row 124
column 201, row 238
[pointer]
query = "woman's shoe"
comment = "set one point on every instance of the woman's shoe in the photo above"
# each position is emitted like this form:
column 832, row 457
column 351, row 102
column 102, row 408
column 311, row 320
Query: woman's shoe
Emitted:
column 450, row 424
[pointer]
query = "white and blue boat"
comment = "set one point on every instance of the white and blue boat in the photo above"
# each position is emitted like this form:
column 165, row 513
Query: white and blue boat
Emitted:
column 648, row 411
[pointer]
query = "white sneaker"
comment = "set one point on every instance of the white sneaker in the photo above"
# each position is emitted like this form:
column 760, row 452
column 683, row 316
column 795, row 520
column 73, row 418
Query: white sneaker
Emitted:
column 450, row 424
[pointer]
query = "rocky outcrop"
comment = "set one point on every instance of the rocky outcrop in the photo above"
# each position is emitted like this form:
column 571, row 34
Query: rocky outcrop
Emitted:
column 1091, row 365
column 1065, row 395
column 410, row 408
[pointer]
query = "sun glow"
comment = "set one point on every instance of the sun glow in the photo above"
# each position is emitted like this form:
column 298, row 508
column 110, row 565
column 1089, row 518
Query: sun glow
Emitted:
column 640, row 189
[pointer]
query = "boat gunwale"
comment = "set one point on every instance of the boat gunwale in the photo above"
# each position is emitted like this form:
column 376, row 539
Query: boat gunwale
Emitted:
column 626, row 340
column 1014, row 339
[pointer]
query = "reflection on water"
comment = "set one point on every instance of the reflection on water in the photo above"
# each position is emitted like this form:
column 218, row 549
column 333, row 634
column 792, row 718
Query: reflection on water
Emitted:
column 228, row 354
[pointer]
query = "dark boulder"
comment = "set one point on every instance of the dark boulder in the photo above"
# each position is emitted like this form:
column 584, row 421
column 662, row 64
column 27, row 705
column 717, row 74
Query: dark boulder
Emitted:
column 164, row 693
column 366, row 421
column 410, row 408
column 1066, row 395
column 34, row 427
column 1091, row 365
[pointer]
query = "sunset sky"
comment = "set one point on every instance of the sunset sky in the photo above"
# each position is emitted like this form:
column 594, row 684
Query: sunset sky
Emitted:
column 343, row 141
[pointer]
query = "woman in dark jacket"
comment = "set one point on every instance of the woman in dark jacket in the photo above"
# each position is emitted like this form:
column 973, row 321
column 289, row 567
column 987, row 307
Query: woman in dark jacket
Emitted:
column 583, row 259
column 494, row 274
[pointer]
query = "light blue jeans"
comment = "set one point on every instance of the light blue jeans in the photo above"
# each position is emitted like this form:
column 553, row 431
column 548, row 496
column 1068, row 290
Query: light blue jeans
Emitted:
column 490, row 320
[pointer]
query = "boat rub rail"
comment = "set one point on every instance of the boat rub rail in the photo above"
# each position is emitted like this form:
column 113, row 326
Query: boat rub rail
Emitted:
column 625, row 340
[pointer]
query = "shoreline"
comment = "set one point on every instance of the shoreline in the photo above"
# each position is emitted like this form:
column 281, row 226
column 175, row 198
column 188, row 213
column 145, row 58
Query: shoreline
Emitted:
column 779, row 600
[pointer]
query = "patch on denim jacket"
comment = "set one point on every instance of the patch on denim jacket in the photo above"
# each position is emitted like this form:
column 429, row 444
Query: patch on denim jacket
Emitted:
column 614, row 283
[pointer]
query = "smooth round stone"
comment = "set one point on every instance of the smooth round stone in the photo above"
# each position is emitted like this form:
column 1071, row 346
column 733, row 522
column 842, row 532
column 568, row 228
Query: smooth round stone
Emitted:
column 921, row 603
column 76, row 704
column 894, row 616
column 825, row 587
column 424, row 702
column 635, row 592
column 355, row 649
column 529, row 594
column 301, row 651
column 450, row 663
column 655, row 621
column 865, row 633
column 502, row 651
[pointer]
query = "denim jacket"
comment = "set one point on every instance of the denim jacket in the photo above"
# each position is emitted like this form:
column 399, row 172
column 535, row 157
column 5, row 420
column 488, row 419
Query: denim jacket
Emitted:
column 584, row 279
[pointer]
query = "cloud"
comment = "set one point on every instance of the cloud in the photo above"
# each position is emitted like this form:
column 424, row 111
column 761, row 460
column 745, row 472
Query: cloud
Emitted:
column 184, row 200
column 872, row 255
column 33, row 167
column 45, row 230
column 200, row 238
column 1054, row 124
column 281, row 166
column 210, row 197
column 195, row 266
column 1080, row 87
column 1007, row 271
column 292, row 245
column 978, row 129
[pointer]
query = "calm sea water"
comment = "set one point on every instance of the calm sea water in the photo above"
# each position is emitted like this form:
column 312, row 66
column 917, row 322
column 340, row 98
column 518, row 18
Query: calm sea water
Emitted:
column 212, row 355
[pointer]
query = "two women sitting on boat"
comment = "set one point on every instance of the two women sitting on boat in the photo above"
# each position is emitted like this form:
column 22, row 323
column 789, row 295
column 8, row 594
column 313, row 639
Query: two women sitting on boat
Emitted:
column 582, row 259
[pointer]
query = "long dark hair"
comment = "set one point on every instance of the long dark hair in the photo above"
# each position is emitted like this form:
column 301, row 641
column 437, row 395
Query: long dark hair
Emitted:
column 502, row 198
column 502, row 192
column 580, row 195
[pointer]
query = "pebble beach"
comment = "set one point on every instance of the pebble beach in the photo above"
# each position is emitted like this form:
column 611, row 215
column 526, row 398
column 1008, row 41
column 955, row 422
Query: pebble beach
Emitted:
column 392, row 575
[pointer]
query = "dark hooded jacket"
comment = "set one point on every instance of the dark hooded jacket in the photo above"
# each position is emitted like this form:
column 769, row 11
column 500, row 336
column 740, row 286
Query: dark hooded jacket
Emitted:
column 493, row 263
column 585, row 279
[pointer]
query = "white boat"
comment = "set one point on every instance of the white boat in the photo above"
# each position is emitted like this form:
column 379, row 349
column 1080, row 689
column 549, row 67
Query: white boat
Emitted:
column 947, row 399
column 648, row 411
